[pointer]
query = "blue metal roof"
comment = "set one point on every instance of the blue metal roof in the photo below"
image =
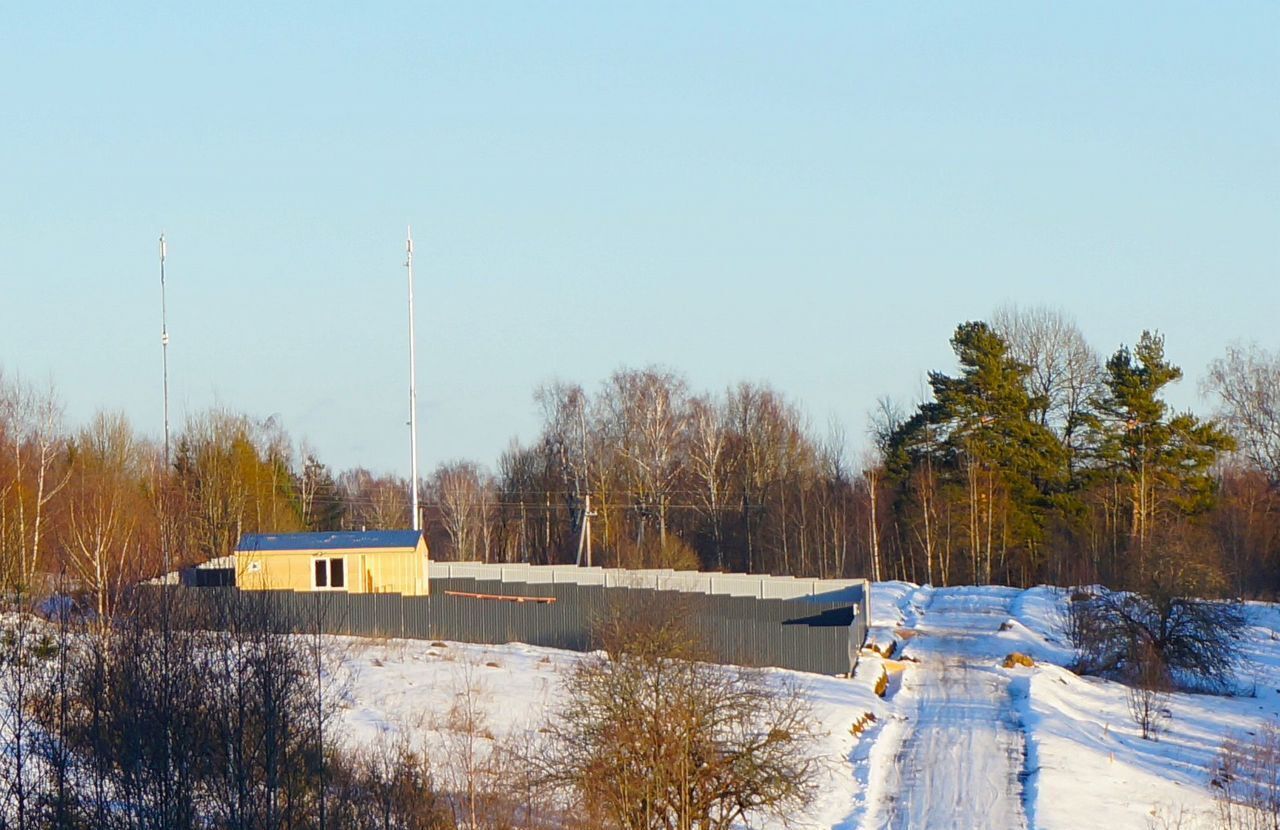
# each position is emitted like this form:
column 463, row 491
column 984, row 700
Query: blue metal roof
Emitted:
column 345, row 540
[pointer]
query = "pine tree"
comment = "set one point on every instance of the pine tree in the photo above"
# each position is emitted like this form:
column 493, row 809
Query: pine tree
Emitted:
column 1162, row 460
column 981, row 433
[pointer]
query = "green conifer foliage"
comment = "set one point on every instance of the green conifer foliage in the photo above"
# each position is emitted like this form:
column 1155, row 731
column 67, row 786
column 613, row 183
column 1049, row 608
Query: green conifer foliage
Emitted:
column 997, row 466
column 1163, row 460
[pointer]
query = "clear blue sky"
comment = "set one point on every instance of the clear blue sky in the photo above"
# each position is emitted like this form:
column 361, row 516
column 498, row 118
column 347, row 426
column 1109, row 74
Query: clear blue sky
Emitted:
column 812, row 195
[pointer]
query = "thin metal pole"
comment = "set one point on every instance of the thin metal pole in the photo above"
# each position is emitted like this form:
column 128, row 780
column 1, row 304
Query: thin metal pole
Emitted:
column 164, row 346
column 413, row 388
column 587, row 528
column 166, row 673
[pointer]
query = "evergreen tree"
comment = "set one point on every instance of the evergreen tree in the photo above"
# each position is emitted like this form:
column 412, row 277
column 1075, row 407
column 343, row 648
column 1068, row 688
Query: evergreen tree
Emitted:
column 981, row 433
column 1162, row 461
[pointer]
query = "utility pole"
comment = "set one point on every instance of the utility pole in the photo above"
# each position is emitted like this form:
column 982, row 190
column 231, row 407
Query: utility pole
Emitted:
column 584, row 533
column 413, row 389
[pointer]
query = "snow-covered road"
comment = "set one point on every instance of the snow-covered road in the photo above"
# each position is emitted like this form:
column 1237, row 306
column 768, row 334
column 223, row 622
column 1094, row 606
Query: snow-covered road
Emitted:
column 959, row 763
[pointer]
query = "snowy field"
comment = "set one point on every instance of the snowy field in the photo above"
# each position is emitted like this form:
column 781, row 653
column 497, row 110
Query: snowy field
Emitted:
column 957, row 741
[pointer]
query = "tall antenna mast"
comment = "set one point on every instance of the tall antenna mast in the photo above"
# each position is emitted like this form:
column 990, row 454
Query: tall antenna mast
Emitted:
column 164, row 346
column 413, row 388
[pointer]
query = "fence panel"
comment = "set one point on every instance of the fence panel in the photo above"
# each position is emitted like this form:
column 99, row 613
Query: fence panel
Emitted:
column 814, row 633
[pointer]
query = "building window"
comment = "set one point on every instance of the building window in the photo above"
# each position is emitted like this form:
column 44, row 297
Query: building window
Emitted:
column 330, row 573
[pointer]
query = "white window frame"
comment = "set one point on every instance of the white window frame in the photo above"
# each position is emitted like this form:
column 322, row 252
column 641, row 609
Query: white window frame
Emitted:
column 328, row 573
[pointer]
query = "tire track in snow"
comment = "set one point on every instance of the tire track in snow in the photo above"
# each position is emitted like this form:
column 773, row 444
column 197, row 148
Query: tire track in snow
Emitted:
column 958, row 766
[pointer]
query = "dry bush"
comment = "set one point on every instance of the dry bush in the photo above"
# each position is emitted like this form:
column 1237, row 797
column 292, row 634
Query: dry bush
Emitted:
column 1169, row 613
column 465, row 765
column 1178, row 817
column 655, row 552
column 628, row 623
column 647, row 738
column 1246, row 781
column 1148, row 692
column 385, row 786
column 485, row 781
column 157, row 721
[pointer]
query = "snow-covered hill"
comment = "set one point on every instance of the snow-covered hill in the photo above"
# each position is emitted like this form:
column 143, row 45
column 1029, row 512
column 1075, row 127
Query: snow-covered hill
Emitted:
column 957, row 741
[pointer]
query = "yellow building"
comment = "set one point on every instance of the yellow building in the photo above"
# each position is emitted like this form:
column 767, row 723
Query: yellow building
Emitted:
column 359, row 562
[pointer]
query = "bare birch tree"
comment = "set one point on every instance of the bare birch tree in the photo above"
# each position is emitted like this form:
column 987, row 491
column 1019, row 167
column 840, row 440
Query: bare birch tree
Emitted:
column 378, row 502
column 461, row 490
column 708, row 436
column 568, row 436
column 1247, row 383
column 102, row 533
column 1065, row 371
column 766, row 429
column 32, row 420
column 644, row 414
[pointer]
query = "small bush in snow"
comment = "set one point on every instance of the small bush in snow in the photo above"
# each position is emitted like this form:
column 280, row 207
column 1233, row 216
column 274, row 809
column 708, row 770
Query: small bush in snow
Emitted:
column 1247, row 781
column 1148, row 693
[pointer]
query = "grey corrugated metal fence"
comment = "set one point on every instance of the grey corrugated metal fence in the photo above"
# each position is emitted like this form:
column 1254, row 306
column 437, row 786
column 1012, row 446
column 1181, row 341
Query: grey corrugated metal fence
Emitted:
column 807, row 634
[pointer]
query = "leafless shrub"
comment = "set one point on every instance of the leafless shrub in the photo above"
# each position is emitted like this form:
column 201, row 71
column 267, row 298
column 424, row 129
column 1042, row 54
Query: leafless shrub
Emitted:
column 1197, row 641
column 1179, row 817
column 479, row 775
column 1246, row 781
column 386, row 786
column 648, row 739
column 158, row 721
column 629, row 623
column 655, row 552
column 1148, row 692
column 20, row 669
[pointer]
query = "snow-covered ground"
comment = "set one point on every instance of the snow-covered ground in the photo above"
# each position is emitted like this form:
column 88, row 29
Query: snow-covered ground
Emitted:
column 412, row 685
column 958, row 741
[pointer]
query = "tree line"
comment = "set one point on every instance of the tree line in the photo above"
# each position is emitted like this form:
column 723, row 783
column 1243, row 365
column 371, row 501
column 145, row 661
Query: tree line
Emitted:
column 1036, row 460
column 1039, row 460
